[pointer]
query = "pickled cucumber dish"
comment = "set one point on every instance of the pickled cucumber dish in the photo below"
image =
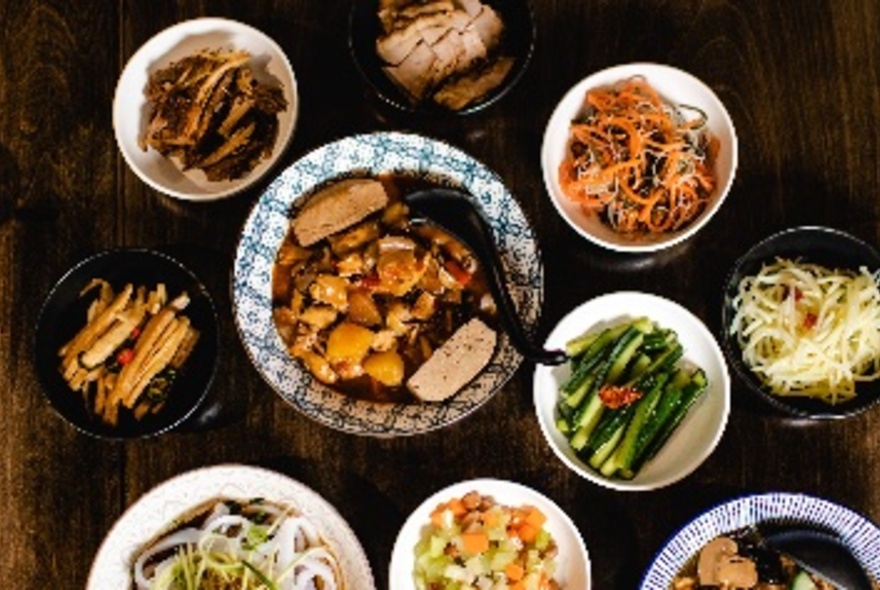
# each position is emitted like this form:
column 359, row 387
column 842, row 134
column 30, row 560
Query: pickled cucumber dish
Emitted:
column 627, row 393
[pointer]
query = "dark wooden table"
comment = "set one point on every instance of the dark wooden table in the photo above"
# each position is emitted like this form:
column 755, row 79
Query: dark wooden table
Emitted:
column 802, row 83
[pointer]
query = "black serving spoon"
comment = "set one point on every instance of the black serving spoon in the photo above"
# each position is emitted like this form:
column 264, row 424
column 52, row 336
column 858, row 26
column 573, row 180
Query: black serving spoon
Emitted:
column 456, row 213
column 818, row 551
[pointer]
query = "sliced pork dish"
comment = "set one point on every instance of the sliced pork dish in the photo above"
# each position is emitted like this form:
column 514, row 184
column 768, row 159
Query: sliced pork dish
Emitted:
column 450, row 52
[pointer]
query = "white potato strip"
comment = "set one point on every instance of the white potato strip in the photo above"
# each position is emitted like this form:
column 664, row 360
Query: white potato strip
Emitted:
column 158, row 361
column 807, row 330
column 95, row 328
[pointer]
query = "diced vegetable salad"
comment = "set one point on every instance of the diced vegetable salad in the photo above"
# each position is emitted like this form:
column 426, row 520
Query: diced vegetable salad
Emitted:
column 474, row 543
column 626, row 394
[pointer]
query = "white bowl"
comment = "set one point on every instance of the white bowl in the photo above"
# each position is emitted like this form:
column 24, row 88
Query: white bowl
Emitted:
column 673, row 85
column 153, row 512
column 702, row 428
column 573, row 561
column 131, row 111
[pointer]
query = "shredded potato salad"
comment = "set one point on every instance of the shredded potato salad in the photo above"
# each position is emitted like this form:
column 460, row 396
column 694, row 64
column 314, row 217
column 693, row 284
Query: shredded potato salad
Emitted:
column 807, row 330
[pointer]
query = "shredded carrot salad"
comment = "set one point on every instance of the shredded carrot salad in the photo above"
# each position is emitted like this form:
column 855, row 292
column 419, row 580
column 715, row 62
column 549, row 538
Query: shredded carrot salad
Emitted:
column 637, row 160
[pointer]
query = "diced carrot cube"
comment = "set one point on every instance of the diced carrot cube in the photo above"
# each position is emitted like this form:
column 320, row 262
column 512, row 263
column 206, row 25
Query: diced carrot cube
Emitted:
column 527, row 532
column 457, row 507
column 514, row 571
column 536, row 518
column 475, row 541
column 489, row 518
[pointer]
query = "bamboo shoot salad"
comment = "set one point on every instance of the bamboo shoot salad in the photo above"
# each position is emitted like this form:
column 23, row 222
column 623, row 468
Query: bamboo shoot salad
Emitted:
column 627, row 393
column 130, row 351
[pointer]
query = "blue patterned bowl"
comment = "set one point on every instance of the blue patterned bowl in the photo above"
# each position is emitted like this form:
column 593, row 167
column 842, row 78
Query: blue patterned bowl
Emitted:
column 857, row 532
column 267, row 225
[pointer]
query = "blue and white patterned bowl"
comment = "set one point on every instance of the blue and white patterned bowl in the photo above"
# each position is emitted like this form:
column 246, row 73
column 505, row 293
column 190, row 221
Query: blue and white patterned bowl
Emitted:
column 860, row 534
column 267, row 225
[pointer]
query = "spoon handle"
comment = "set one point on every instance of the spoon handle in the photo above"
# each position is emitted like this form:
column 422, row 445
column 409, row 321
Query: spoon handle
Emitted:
column 460, row 217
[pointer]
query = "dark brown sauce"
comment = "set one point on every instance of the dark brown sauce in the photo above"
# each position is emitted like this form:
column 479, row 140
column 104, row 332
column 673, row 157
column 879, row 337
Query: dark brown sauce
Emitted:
column 453, row 306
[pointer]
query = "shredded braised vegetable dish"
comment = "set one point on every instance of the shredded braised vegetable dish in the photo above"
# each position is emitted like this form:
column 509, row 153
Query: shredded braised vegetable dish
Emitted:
column 641, row 163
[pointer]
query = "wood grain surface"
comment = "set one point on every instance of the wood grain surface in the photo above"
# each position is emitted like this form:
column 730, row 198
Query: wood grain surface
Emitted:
column 800, row 81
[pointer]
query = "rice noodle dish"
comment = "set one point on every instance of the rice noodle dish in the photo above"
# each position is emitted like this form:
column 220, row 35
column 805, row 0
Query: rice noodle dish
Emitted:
column 807, row 330
column 238, row 545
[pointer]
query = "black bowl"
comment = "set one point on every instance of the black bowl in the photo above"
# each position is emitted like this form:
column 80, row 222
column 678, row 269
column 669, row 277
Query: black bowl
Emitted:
column 820, row 245
column 64, row 312
column 364, row 29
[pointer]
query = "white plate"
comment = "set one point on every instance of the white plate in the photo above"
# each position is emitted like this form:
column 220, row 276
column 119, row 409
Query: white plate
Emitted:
column 673, row 85
column 573, row 561
column 858, row 533
column 149, row 516
column 131, row 111
column 268, row 223
column 699, row 433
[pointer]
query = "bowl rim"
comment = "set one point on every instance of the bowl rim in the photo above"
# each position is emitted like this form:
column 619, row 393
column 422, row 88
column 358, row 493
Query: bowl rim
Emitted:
column 734, row 353
column 205, row 25
column 724, row 388
column 207, row 301
column 428, row 109
column 579, row 89
column 471, row 174
column 175, row 495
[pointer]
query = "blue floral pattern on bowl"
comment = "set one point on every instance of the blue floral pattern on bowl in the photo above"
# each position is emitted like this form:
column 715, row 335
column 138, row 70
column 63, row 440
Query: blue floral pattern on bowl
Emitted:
column 860, row 534
column 267, row 225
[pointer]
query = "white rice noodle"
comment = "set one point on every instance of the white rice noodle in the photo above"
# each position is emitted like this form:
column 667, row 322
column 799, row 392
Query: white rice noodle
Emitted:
column 807, row 330
column 292, row 554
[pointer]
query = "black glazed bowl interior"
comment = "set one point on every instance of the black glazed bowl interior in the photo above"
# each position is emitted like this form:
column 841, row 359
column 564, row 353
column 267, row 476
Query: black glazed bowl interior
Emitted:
column 820, row 245
column 64, row 313
column 364, row 29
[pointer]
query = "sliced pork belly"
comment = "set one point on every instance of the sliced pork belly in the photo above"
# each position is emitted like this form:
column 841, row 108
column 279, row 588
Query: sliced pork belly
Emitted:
column 415, row 74
column 474, row 85
column 429, row 42
column 489, row 26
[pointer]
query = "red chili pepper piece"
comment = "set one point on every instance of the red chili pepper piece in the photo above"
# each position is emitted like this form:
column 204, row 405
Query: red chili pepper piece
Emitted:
column 462, row 276
column 615, row 396
column 810, row 321
column 125, row 355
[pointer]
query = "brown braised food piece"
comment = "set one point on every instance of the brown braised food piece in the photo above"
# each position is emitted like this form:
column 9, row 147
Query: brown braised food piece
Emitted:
column 448, row 51
column 378, row 307
column 455, row 363
column 208, row 112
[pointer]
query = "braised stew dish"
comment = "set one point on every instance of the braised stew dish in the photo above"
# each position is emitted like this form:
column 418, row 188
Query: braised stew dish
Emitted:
column 364, row 297
column 741, row 559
